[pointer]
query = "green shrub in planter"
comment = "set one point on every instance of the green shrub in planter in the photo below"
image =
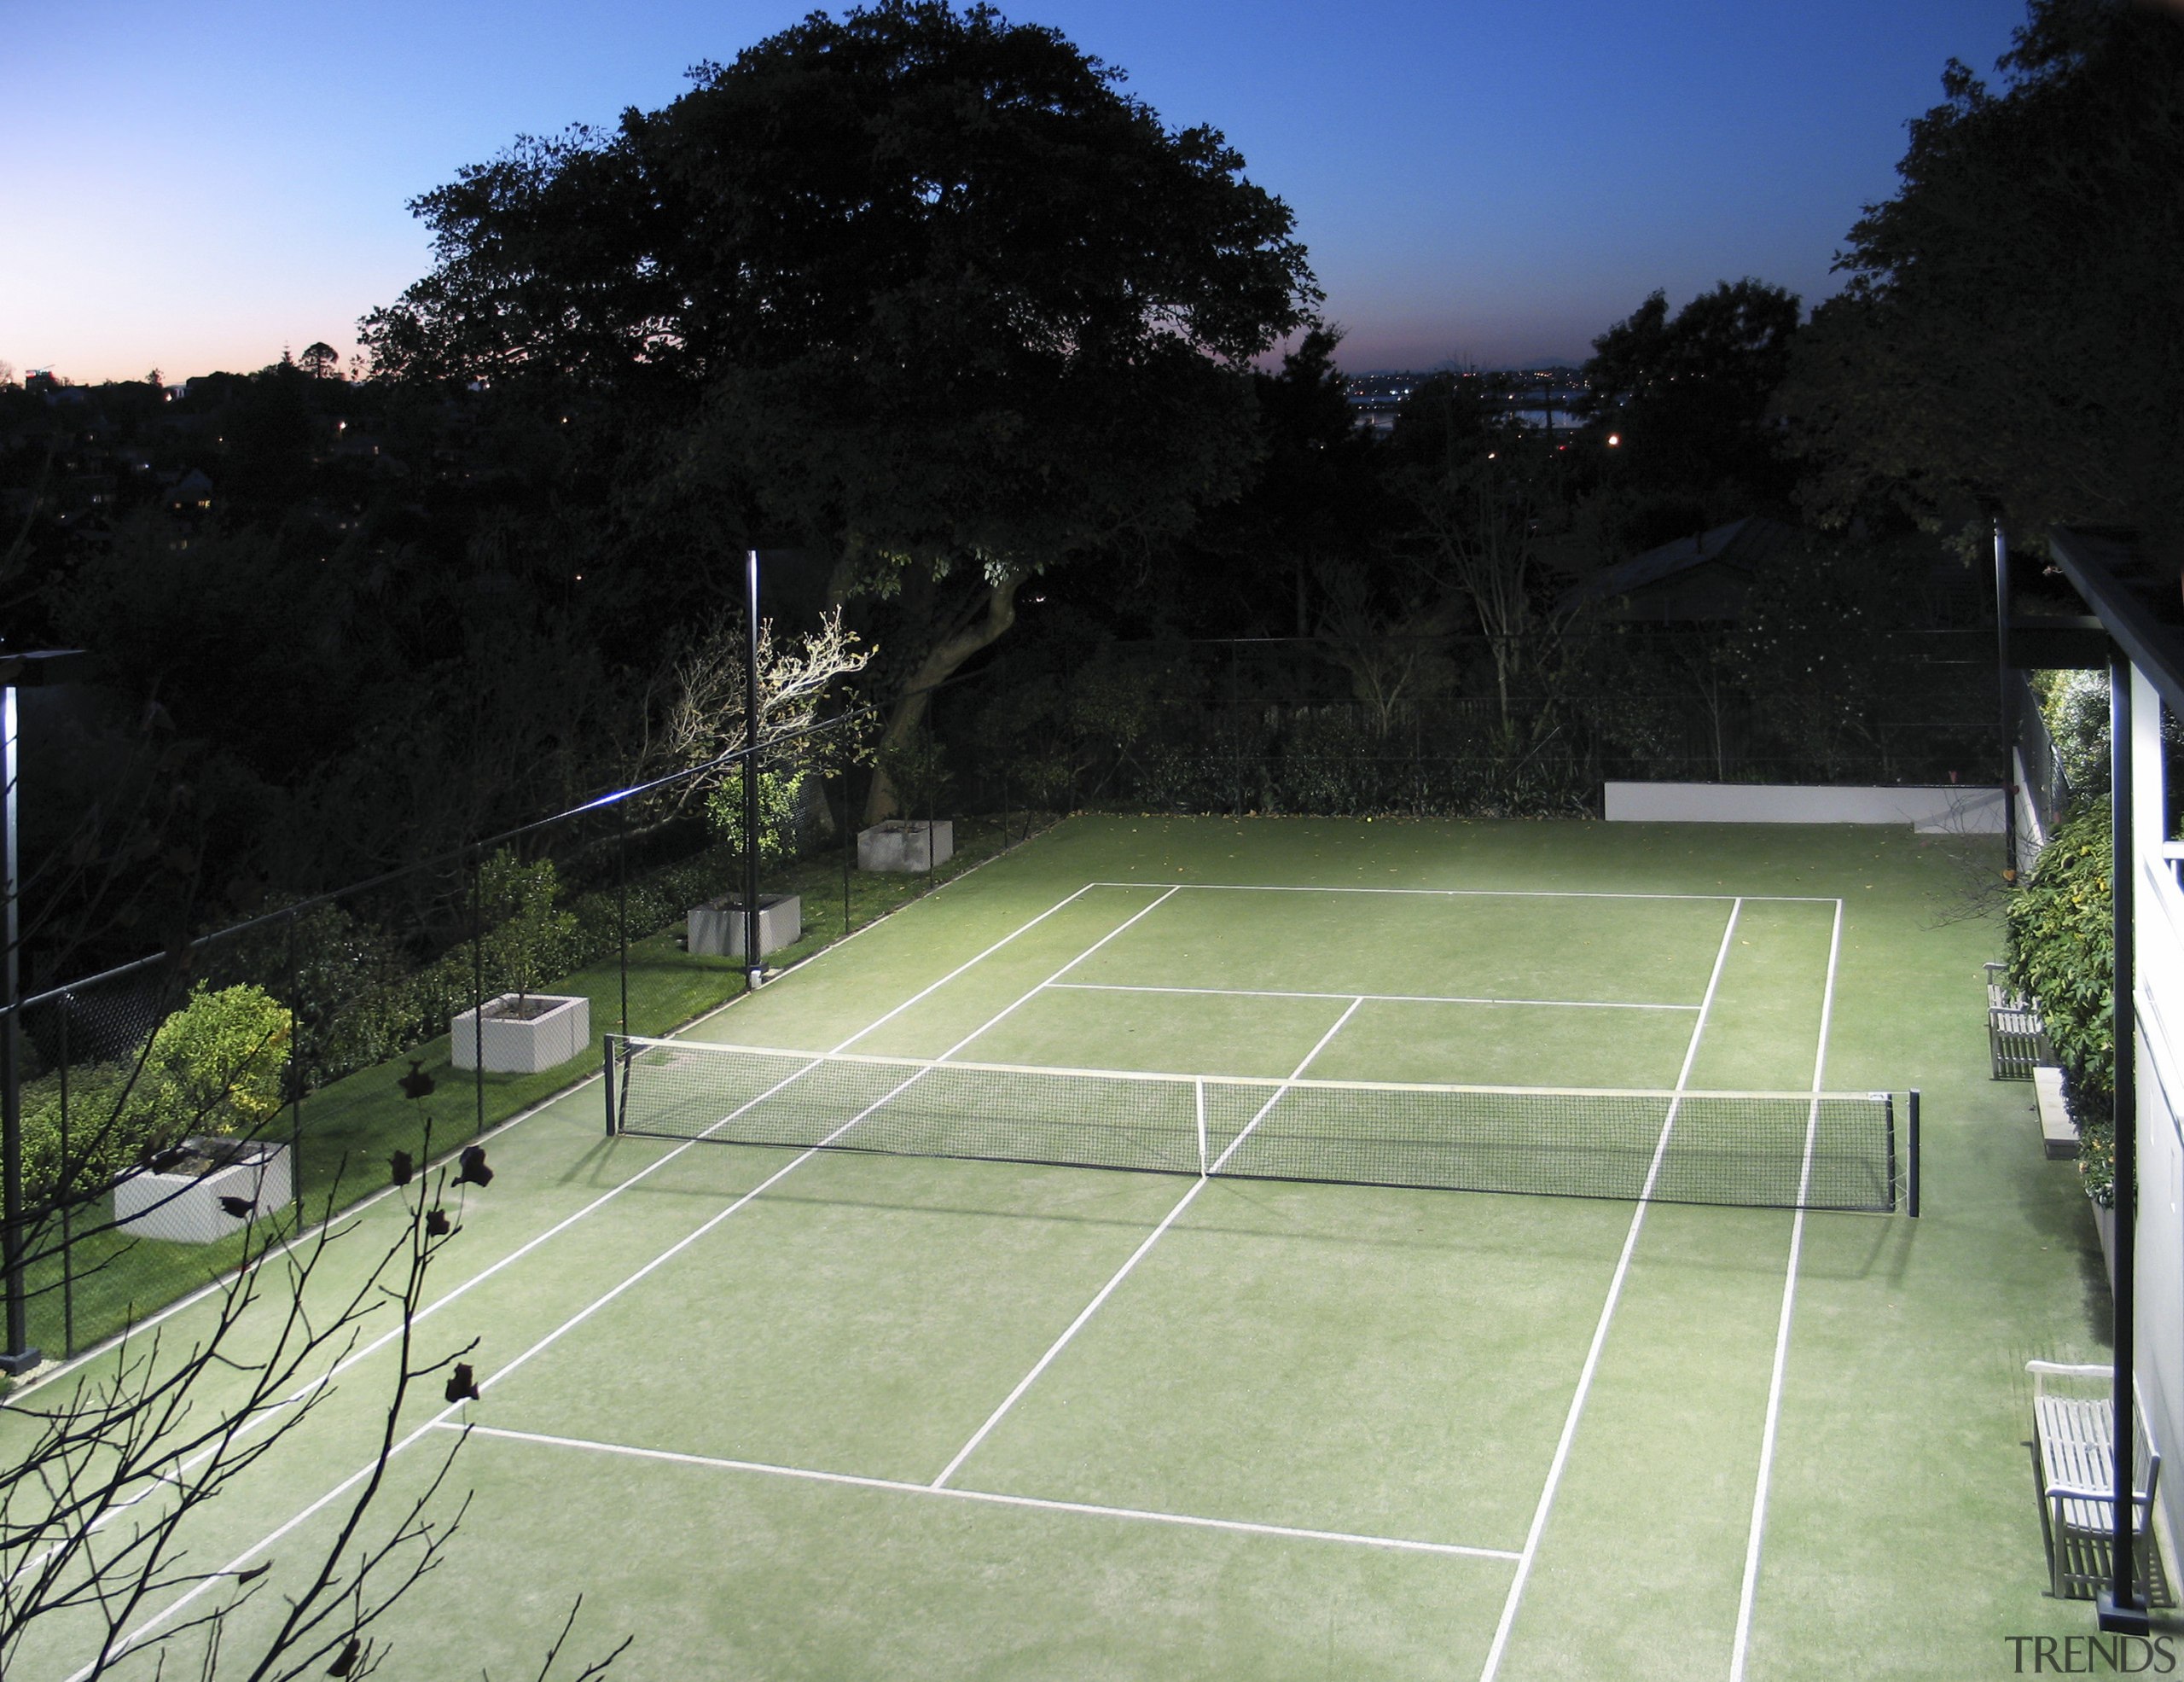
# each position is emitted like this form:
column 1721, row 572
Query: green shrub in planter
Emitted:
column 529, row 940
column 213, row 1067
column 2062, row 952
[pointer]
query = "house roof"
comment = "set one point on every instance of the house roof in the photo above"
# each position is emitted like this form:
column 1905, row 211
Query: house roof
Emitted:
column 2136, row 597
column 1733, row 552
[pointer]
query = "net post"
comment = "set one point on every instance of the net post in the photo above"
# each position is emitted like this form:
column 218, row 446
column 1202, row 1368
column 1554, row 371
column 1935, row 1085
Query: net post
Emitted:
column 1912, row 1185
column 1198, row 1093
column 607, row 1048
column 1888, row 1129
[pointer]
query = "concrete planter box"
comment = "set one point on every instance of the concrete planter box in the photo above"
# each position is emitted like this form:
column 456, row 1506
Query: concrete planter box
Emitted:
column 906, row 844
column 2104, row 1223
column 522, row 1044
column 717, row 926
column 183, row 1207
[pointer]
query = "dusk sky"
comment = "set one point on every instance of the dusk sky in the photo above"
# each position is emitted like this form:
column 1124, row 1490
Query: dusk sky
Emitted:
column 1488, row 182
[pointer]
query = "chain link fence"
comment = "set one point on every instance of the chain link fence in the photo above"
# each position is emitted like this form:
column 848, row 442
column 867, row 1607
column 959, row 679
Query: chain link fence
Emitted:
column 1305, row 725
column 251, row 1082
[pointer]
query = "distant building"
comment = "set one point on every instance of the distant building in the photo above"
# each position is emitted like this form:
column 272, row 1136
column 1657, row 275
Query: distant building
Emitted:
column 1695, row 580
column 191, row 491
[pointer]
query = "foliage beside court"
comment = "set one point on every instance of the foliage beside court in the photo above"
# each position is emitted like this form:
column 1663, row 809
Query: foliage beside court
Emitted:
column 213, row 1067
column 2062, row 952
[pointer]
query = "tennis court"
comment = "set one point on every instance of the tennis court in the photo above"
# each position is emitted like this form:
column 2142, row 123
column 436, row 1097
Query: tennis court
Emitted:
column 788, row 1411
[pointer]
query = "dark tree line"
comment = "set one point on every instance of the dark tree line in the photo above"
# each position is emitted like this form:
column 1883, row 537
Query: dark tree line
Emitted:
column 930, row 297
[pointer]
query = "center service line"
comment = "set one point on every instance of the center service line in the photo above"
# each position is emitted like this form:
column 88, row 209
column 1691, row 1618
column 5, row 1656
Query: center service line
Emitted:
column 1137, row 1255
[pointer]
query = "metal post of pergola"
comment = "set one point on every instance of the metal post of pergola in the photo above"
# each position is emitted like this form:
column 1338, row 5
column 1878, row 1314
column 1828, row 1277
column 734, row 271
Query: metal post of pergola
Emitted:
column 17, row 672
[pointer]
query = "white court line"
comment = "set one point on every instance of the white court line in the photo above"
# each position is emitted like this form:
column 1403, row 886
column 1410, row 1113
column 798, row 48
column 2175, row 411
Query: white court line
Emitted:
column 1485, row 892
column 1136, row 1256
column 1369, row 997
column 1599, row 1332
column 1749, row 1591
column 992, row 1498
column 366, row 1471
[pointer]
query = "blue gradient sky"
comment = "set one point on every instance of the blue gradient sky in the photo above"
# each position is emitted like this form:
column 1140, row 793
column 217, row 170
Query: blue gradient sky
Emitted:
column 1489, row 181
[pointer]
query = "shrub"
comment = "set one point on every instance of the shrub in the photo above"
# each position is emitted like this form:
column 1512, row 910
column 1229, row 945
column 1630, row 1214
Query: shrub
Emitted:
column 778, row 798
column 213, row 1067
column 528, row 938
column 2063, row 953
column 2074, row 706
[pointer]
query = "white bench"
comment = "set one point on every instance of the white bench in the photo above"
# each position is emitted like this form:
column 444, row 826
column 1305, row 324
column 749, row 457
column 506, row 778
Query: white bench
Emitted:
column 2016, row 1040
column 2077, row 1474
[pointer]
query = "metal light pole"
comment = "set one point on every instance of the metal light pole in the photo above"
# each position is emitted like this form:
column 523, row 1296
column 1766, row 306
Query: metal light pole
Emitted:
column 751, row 965
column 17, row 670
column 2005, row 676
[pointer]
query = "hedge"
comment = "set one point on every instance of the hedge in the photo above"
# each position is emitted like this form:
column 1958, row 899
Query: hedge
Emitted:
column 2062, row 951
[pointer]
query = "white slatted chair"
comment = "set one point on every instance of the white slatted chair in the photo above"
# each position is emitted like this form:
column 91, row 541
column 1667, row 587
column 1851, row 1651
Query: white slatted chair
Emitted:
column 2077, row 1473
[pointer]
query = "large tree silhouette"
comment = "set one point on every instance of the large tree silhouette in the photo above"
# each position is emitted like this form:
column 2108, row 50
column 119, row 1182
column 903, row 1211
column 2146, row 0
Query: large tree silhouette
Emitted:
column 2006, row 333
column 920, row 286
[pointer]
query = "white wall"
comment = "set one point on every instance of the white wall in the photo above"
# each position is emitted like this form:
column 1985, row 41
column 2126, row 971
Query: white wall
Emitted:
column 1948, row 808
column 2158, row 927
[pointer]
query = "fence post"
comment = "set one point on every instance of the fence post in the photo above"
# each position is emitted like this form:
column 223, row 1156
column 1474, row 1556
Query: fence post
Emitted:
column 478, row 981
column 1069, row 722
column 295, row 1078
column 19, row 1357
column 621, row 900
column 1235, row 738
column 66, row 1191
column 1417, row 761
column 1911, row 1189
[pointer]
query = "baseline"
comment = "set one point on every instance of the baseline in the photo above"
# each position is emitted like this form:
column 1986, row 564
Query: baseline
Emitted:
column 1482, row 893
column 992, row 1498
column 1507, row 1620
column 1367, row 997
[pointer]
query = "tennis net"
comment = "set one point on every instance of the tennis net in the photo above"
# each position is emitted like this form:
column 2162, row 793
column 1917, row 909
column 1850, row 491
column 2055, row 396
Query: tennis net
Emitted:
column 1821, row 1150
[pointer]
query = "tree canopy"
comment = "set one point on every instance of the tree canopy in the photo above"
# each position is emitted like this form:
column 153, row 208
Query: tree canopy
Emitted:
column 922, row 282
column 1688, row 395
column 922, row 289
column 2006, row 334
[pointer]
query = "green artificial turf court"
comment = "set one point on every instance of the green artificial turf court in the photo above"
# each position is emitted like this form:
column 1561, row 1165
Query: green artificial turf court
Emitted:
column 793, row 1414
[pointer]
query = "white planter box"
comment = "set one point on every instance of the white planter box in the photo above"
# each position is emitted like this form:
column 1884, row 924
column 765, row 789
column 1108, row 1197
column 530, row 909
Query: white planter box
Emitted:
column 185, row 1208
column 512, row 1044
column 906, row 844
column 717, row 926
